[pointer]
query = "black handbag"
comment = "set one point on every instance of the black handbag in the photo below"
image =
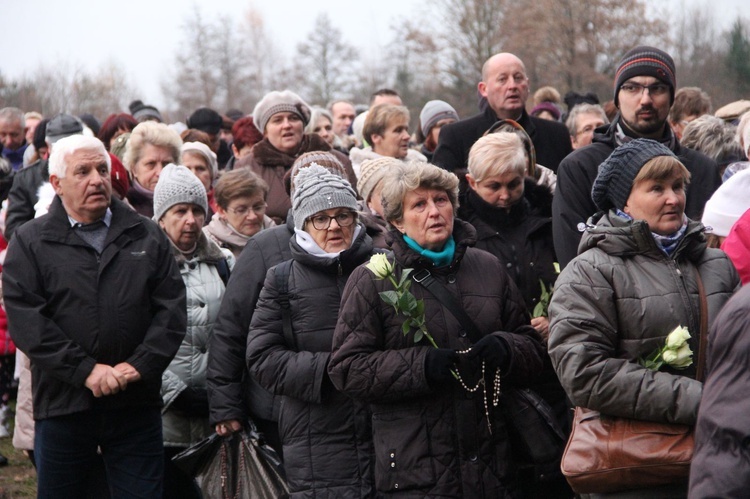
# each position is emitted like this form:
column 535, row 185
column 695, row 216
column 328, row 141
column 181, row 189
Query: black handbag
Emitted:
column 536, row 438
column 240, row 465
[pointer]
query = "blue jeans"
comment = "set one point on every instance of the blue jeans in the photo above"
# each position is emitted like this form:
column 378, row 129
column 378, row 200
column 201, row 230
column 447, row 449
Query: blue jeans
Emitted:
column 130, row 440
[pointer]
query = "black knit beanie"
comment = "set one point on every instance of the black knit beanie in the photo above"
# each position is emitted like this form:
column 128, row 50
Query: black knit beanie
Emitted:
column 646, row 61
column 616, row 175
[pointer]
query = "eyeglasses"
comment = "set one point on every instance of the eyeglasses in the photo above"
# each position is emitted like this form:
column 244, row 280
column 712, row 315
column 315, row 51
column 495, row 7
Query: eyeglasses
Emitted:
column 586, row 130
column 655, row 89
column 242, row 210
column 322, row 222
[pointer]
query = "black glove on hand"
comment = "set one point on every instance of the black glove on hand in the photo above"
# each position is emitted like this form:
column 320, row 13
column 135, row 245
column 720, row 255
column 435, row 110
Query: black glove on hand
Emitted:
column 438, row 364
column 192, row 401
column 491, row 349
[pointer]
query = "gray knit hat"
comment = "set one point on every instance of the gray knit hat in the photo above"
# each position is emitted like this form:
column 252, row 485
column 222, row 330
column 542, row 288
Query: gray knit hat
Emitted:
column 177, row 185
column 317, row 189
column 327, row 160
column 434, row 111
column 616, row 175
column 279, row 102
column 371, row 172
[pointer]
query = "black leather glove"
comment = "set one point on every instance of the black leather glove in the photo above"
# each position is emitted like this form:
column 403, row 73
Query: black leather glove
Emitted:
column 192, row 401
column 493, row 350
column 438, row 364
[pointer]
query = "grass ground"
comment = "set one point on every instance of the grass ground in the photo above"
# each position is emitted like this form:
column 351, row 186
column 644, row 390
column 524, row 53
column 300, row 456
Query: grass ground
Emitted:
column 18, row 479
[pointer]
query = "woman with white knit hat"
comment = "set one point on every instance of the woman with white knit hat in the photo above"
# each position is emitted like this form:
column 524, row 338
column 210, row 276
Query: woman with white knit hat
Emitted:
column 325, row 435
column 281, row 117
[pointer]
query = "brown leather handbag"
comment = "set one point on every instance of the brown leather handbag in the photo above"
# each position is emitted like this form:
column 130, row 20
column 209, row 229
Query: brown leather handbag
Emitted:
column 611, row 454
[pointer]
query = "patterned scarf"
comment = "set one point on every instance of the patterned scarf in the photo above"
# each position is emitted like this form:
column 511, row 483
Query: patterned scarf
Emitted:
column 666, row 243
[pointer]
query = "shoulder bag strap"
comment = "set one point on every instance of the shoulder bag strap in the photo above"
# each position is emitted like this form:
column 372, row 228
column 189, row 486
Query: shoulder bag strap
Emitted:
column 444, row 296
column 700, row 370
column 282, row 286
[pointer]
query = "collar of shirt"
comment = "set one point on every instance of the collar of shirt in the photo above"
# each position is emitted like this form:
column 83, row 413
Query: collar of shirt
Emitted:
column 107, row 219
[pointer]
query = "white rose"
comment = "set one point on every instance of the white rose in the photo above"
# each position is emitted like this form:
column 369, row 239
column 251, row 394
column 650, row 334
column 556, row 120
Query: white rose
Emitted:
column 380, row 266
column 680, row 358
column 677, row 338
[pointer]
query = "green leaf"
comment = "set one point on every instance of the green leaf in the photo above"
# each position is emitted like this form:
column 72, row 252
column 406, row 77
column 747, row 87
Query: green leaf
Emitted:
column 418, row 334
column 406, row 327
column 538, row 310
column 405, row 276
column 419, row 312
column 389, row 297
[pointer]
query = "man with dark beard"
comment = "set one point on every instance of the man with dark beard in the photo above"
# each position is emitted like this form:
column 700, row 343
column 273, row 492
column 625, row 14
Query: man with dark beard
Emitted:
column 644, row 93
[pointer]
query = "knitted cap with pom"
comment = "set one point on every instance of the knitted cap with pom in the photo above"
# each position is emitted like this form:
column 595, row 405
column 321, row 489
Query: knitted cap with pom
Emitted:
column 317, row 189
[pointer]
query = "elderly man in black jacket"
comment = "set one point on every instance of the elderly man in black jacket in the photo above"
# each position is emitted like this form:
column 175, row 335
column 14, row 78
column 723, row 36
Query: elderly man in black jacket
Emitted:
column 95, row 300
column 644, row 93
column 506, row 87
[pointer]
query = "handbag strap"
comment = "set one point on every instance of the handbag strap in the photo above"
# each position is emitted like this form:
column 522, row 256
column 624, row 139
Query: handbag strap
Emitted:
column 444, row 296
column 700, row 370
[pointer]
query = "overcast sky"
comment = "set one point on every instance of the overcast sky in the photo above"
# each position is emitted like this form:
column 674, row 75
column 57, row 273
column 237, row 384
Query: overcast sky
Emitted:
column 143, row 35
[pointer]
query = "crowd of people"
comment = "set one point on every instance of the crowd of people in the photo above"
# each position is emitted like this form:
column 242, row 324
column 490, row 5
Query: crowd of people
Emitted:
column 366, row 293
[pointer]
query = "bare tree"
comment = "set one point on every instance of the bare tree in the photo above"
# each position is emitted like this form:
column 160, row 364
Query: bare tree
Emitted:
column 324, row 61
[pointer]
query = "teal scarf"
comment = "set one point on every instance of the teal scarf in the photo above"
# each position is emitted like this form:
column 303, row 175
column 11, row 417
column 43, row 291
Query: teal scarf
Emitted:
column 439, row 258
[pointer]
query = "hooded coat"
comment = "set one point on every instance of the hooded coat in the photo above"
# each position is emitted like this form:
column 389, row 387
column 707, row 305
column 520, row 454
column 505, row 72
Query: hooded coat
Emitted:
column 325, row 434
column 433, row 441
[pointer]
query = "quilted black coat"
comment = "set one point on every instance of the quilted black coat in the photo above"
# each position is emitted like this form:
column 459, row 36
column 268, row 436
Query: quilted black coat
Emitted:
column 325, row 435
column 433, row 441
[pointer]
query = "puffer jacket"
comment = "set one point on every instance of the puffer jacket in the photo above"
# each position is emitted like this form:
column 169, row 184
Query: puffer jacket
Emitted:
column 520, row 238
column 433, row 441
column 617, row 301
column 720, row 466
column 325, row 434
column 271, row 165
column 205, row 290
column 233, row 394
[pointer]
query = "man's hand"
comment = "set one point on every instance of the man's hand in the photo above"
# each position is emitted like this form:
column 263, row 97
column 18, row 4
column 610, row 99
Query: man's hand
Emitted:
column 541, row 324
column 105, row 380
column 131, row 374
column 228, row 427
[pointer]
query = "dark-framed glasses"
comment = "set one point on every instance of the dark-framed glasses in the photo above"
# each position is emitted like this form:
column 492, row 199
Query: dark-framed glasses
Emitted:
column 655, row 89
column 322, row 222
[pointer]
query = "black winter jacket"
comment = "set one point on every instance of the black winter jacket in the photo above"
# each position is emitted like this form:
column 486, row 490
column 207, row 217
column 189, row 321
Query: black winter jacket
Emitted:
column 24, row 195
column 572, row 204
column 232, row 393
column 433, row 441
column 69, row 308
column 521, row 239
column 326, row 435
column 551, row 140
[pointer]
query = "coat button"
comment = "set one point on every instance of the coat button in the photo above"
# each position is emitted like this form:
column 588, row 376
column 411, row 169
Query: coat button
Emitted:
column 531, row 264
column 395, row 485
column 473, row 458
column 393, row 465
column 201, row 304
column 509, row 265
column 462, row 333
column 393, row 455
column 451, row 279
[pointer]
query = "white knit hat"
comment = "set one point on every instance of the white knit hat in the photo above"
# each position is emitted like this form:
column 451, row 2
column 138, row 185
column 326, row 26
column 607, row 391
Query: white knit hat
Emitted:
column 371, row 172
column 727, row 204
column 317, row 189
column 178, row 185
column 279, row 102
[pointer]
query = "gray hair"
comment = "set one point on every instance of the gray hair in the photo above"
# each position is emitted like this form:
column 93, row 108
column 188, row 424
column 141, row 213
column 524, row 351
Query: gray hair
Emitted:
column 585, row 108
column 156, row 134
column 743, row 133
column 712, row 136
column 315, row 114
column 12, row 114
column 405, row 177
column 497, row 154
column 69, row 145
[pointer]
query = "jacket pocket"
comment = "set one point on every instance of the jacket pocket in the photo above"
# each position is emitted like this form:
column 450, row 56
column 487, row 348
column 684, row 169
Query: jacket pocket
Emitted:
column 402, row 451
